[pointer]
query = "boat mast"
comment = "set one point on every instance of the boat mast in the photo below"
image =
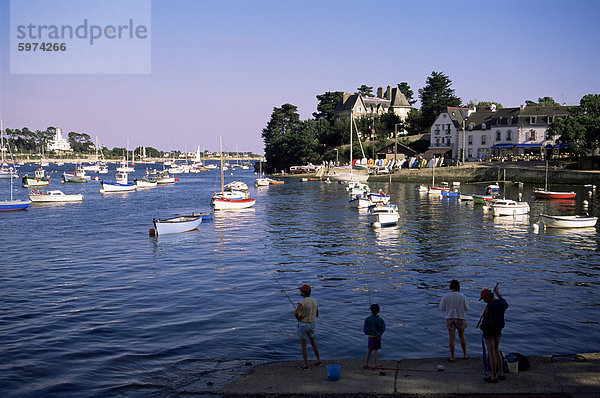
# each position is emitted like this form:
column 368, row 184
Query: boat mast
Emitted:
column 222, row 175
column 546, row 186
column 351, row 118
column 2, row 139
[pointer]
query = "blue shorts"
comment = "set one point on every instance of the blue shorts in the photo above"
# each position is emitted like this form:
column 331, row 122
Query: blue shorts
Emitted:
column 374, row 343
column 306, row 330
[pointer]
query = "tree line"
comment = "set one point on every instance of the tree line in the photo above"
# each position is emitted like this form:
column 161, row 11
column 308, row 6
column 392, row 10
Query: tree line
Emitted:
column 288, row 140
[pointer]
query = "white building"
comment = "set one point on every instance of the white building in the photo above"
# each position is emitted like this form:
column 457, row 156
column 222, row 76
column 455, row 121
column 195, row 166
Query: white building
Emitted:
column 58, row 143
column 494, row 132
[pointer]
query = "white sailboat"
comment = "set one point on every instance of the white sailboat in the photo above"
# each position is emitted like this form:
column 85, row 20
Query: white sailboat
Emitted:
column 5, row 170
column 232, row 199
column 346, row 173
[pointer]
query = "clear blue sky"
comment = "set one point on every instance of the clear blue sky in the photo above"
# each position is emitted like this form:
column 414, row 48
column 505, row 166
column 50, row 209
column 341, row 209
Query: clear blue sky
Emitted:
column 220, row 67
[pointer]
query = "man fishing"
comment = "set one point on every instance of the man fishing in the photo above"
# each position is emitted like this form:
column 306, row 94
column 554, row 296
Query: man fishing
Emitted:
column 306, row 313
column 492, row 323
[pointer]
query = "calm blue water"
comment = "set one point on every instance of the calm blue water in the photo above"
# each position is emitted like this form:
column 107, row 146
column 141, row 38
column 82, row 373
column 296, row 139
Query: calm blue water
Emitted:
column 92, row 306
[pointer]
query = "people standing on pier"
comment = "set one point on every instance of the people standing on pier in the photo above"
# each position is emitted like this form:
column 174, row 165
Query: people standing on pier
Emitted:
column 455, row 307
column 306, row 313
column 373, row 327
column 492, row 323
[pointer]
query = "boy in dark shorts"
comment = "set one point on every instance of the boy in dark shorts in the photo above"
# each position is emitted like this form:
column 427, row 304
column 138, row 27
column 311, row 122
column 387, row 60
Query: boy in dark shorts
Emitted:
column 374, row 327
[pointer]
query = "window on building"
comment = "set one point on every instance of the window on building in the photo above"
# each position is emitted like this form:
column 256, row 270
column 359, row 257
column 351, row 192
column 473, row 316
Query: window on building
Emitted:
column 470, row 140
column 532, row 134
column 509, row 135
column 483, row 140
column 498, row 135
column 448, row 130
column 437, row 142
column 470, row 152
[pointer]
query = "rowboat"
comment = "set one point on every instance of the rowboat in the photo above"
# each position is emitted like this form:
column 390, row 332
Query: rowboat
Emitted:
column 36, row 196
column 383, row 215
column 492, row 189
column 507, row 207
column 483, row 199
column 543, row 194
column 568, row 221
column 262, row 182
column 176, row 225
column 450, row 194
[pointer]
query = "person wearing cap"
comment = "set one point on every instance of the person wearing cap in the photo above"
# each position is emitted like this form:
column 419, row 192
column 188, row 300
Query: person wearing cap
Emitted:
column 492, row 323
column 306, row 313
column 455, row 307
column 373, row 327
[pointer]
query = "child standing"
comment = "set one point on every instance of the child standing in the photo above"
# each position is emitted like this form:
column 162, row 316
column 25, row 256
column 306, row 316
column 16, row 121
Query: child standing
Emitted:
column 374, row 327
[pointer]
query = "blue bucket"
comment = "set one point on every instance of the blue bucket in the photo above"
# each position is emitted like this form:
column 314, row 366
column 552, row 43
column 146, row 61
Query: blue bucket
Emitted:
column 333, row 372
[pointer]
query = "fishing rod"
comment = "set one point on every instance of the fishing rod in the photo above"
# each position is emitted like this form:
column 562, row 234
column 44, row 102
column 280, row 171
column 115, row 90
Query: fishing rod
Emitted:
column 282, row 289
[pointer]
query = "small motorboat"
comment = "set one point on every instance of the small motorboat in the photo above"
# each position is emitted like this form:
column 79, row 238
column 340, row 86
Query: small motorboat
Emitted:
column 121, row 184
column 39, row 179
column 176, row 225
column 383, row 215
column 568, row 221
column 492, row 189
column 54, row 196
column 507, row 207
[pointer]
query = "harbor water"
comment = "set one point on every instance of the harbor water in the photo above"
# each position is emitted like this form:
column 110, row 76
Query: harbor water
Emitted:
column 91, row 305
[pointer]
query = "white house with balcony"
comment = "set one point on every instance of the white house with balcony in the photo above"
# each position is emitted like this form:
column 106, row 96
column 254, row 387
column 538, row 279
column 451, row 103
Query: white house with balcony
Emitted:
column 58, row 143
column 494, row 132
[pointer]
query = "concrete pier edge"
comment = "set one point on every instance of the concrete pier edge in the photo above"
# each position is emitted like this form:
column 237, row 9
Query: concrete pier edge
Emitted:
column 576, row 375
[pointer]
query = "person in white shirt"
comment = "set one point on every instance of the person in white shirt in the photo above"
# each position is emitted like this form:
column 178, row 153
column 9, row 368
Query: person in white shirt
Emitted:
column 454, row 305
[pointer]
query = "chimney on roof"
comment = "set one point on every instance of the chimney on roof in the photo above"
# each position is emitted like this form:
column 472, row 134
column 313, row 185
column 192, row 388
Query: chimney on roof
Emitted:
column 388, row 93
column 379, row 92
column 522, row 107
column 345, row 97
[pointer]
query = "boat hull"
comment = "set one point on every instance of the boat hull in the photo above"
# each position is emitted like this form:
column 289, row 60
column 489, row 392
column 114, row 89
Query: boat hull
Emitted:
column 568, row 221
column 383, row 215
column 54, row 197
column 539, row 194
column 220, row 203
column 509, row 208
column 117, row 187
column 13, row 205
column 177, row 225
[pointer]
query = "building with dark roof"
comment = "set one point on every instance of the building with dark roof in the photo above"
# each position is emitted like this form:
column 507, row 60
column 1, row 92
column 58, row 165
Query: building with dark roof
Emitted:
column 470, row 134
column 357, row 105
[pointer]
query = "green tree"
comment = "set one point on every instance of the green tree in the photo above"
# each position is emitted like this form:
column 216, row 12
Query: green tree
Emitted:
column 365, row 91
column 284, row 121
column 546, row 101
column 80, row 142
column 408, row 93
column 487, row 104
column 327, row 104
column 581, row 129
column 435, row 97
column 414, row 122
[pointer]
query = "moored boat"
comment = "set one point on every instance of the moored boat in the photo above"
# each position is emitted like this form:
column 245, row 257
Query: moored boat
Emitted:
column 39, row 179
column 78, row 176
column 36, row 196
column 121, row 184
column 12, row 205
column 568, row 221
column 383, row 215
column 450, row 194
column 176, row 225
column 507, row 207
column 543, row 194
